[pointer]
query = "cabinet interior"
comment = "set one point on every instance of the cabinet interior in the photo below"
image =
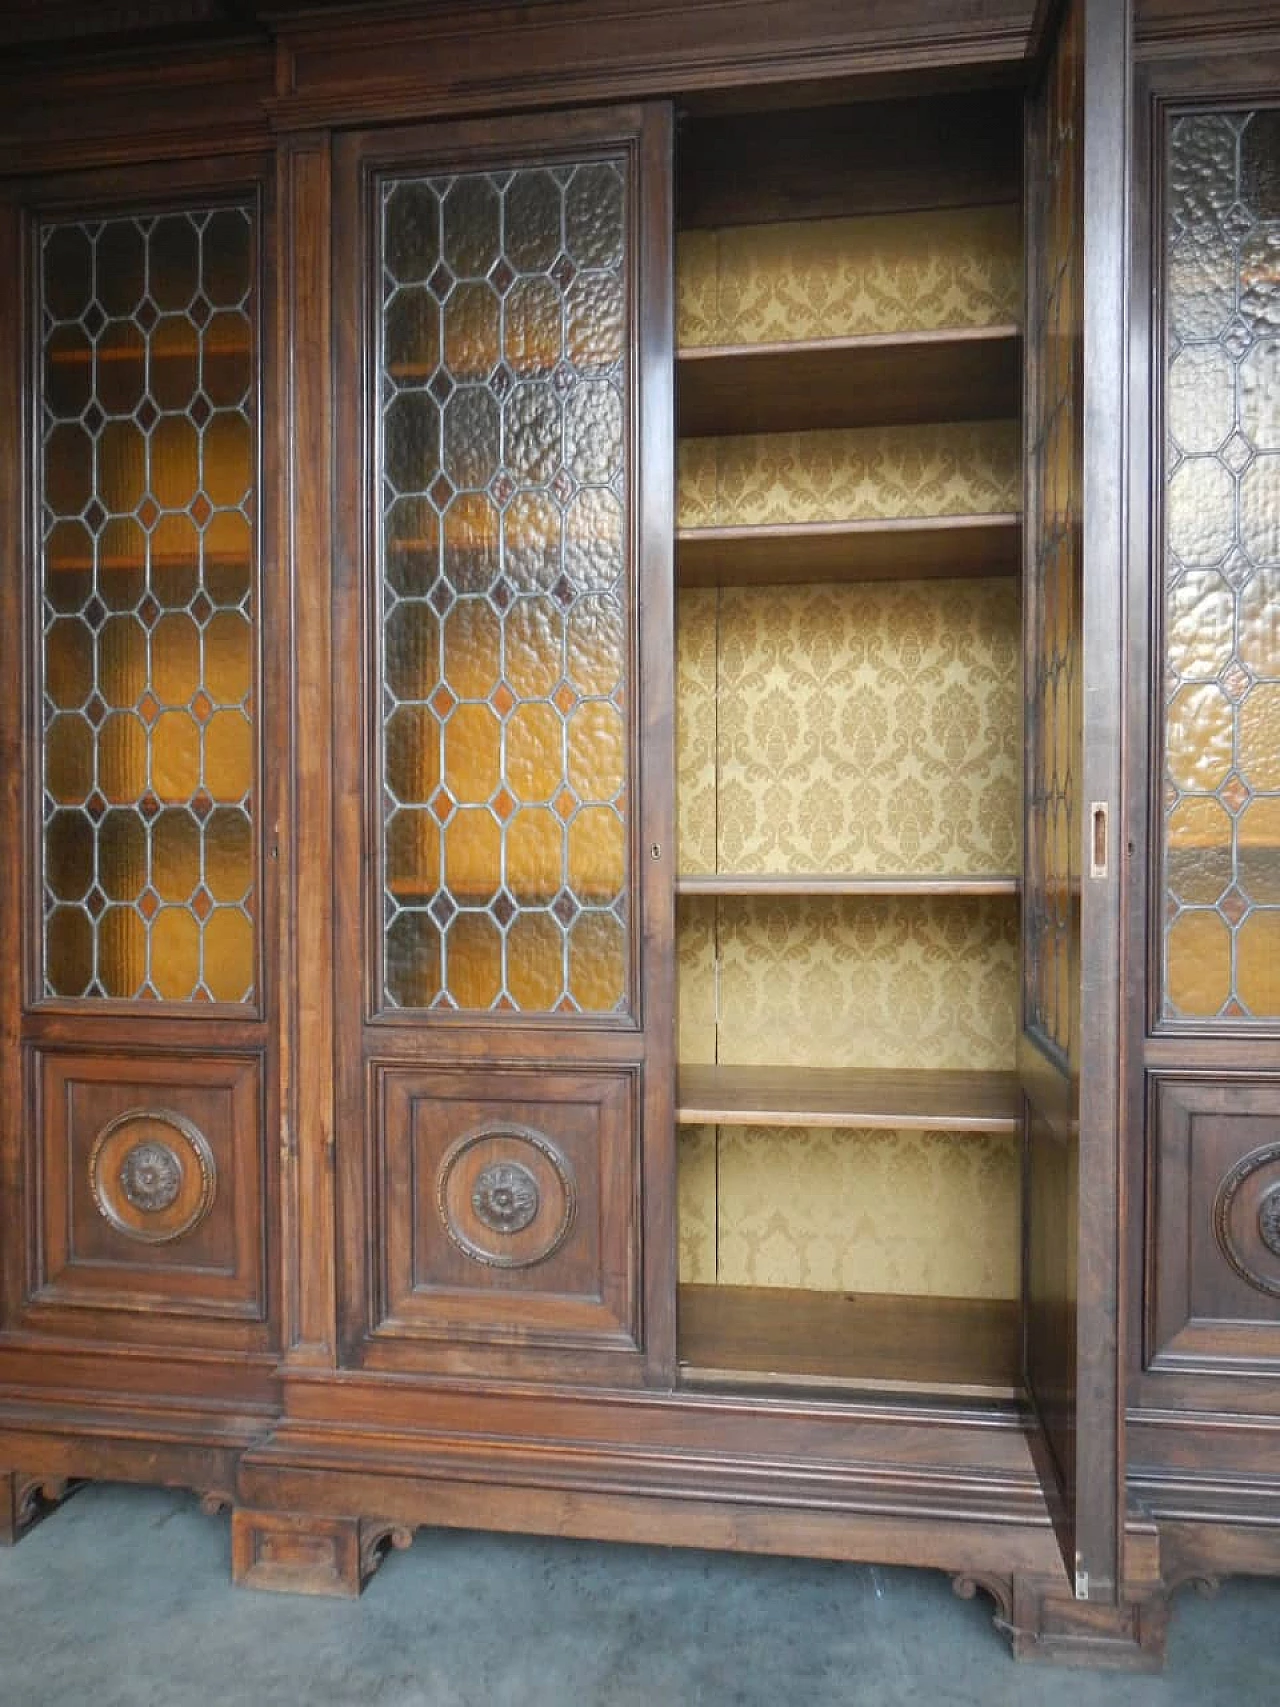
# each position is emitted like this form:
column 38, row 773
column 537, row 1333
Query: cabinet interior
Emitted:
column 849, row 744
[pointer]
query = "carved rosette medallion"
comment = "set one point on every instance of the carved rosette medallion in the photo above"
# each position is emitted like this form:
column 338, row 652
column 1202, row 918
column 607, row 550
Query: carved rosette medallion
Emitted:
column 152, row 1175
column 506, row 1196
column 1246, row 1219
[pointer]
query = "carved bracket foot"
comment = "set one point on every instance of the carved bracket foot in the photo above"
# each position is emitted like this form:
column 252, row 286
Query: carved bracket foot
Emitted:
column 296, row 1553
column 25, row 1500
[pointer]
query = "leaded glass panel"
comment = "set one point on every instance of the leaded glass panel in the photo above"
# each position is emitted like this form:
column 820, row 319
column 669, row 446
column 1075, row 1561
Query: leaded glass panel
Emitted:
column 502, row 387
column 147, row 479
column 1220, row 814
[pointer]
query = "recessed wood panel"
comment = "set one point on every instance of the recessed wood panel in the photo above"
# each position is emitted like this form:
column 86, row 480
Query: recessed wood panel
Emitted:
column 1214, row 1205
column 151, row 1186
column 507, row 1206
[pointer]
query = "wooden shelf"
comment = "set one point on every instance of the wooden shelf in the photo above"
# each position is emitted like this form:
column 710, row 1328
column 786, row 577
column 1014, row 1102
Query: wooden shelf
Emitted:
column 818, row 884
column 916, row 548
column 753, row 1336
column 130, row 353
column 889, row 380
column 910, row 1099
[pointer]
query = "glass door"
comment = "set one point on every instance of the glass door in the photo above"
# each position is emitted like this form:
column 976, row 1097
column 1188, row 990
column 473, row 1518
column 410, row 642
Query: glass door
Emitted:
column 508, row 749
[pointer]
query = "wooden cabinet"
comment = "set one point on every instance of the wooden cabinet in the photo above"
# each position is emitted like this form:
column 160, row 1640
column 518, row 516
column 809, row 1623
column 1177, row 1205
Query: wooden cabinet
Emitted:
column 1203, row 1361
column 588, row 702
column 848, row 522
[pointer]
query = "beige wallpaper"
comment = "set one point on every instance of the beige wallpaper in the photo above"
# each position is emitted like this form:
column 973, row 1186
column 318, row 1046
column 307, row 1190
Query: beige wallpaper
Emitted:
column 869, row 728
column 849, row 277
column 697, row 681
column 849, row 983
column 850, row 474
column 921, row 1213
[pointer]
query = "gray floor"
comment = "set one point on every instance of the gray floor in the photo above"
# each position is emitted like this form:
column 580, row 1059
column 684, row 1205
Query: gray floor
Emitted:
column 123, row 1597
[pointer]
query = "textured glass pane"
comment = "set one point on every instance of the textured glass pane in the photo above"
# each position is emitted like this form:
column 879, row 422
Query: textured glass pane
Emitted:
column 502, row 386
column 412, row 337
column 1054, row 733
column 146, row 506
column 1220, row 842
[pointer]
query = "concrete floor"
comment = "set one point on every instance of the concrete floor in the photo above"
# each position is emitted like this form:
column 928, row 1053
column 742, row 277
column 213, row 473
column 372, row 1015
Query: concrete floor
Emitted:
column 122, row 1599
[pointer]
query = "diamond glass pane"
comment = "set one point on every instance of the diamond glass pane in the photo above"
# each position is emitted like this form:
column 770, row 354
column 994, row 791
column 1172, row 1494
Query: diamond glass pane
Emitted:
column 1054, row 734
column 502, row 393
column 1220, row 817
column 146, row 504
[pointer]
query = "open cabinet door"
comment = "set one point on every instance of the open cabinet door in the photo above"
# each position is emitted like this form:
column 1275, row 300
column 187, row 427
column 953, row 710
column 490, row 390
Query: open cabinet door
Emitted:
column 1068, row 1054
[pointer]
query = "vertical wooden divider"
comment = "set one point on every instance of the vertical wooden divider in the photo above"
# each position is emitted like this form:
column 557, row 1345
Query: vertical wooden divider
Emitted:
column 306, row 840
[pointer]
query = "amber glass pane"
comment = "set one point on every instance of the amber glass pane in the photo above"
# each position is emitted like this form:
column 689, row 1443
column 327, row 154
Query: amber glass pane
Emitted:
column 504, row 599
column 146, row 499
column 1054, row 732
column 1220, row 841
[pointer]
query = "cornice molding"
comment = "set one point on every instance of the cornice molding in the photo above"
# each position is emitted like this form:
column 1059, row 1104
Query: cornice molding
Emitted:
column 392, row 62
column 1180, row 28
column 152, row 105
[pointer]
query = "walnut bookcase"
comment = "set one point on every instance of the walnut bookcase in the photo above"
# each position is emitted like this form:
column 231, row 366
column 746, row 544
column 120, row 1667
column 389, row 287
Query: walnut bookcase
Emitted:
column 576, row 961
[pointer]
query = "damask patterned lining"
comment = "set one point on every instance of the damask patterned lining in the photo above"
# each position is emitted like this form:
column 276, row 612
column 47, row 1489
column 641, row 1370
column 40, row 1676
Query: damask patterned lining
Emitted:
column 868, row 728
column 850, row 983
column 920, row 1213
column 849, row 277
column 850, row 474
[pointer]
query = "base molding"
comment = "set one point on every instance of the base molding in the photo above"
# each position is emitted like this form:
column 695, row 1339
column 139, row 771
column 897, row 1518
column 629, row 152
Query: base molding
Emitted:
column 302, row 1553
column 26, row 1500
column 1200, row 1555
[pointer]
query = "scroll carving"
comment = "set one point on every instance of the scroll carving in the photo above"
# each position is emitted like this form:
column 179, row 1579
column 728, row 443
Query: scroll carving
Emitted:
column 379, row 1539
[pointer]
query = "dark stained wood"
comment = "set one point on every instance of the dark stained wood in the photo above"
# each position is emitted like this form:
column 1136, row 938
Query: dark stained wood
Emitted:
column 1174, row 27
column 760, row 1336
column 17, row 748
column 91, row 1272
column 27, row 1500
column 491, row 56
column 1071, row 1168
column 568, row 1278
column 1202, row 1440
column 815, row 883
column 295, row 1554
column 787, row 115
column 918, row 548
column 157, row 104
column 551, row 1333
column 1213, row 1293
column 959, row 150
column 655, row 848
column 303, row 351
column 917, row 1098
column 970, row 374
column 214, row 1292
